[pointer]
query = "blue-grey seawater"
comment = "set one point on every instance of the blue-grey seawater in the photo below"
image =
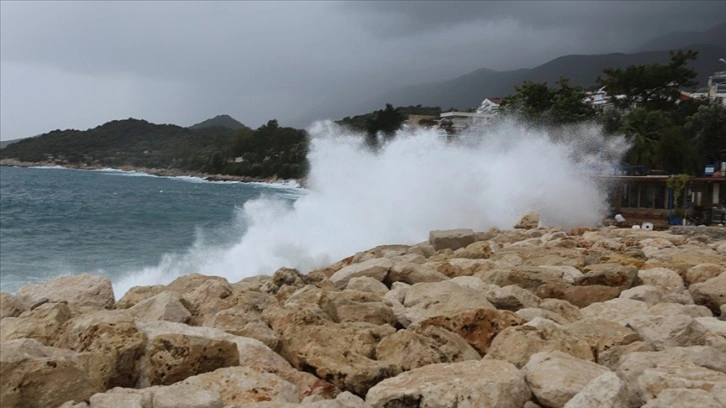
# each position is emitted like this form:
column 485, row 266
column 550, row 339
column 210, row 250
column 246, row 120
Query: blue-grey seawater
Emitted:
column 56, row 221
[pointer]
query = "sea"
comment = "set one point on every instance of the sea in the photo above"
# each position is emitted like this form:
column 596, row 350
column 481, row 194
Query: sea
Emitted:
column 140, row 229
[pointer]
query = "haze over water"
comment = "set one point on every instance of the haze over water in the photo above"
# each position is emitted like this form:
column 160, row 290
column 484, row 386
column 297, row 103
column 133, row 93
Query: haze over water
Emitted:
column 149, row 230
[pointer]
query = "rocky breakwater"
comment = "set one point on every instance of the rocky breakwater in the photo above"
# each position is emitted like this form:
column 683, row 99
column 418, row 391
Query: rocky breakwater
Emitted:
column 529, row 317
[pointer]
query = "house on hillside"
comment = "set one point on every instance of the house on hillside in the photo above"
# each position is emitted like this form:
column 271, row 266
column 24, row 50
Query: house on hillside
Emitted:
column 482, row 116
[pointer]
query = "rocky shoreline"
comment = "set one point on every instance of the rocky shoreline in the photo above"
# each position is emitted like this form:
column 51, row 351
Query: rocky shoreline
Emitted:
column 154, row 171
column 529, row 317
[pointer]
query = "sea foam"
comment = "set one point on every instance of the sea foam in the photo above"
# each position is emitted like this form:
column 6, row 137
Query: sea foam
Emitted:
column 419, row 181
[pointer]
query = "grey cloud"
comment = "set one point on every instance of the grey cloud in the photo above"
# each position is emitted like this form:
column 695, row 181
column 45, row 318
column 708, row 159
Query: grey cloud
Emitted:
column 182, row 62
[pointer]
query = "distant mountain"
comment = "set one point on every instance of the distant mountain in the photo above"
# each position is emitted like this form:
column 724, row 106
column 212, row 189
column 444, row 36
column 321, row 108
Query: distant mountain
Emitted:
column 714, row 36
column 224, row 121
column 128, row 142
column 4, row 143
column 467, row 91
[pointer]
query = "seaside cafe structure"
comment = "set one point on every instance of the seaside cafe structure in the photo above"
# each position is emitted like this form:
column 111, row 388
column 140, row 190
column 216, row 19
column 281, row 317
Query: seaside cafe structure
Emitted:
column 663, row 200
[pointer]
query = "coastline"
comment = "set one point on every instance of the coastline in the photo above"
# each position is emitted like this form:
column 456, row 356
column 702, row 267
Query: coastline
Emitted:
column 157, row 172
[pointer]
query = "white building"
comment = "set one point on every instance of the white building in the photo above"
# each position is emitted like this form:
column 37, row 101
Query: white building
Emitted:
column 484, row 114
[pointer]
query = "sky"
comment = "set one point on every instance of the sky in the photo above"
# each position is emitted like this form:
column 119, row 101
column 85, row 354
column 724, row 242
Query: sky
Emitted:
column 77, row 65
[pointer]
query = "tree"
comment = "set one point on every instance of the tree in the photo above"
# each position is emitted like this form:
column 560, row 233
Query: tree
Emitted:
column 654, row 86
column 707, row 131
column 385, row 121
column 642, row 128
column 536, row 102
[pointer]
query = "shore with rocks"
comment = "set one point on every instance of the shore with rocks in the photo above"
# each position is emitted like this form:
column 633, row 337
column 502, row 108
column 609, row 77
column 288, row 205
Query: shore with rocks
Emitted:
column 152, row 171
column 529, row 317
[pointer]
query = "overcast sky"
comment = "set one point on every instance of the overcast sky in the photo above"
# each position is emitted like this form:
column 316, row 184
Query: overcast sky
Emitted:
column 80, row 64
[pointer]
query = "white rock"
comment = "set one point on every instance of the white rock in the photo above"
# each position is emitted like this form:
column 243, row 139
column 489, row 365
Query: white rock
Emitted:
column 555, row 377
column 605, row 391
column 79, row 290
column 668, row 331
column 376, row 268
column 468, row 384
column 666, row 279
column 186, row 396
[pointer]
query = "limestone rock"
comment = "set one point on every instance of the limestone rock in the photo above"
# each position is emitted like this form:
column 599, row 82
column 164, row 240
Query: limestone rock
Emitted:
column 112, row 333
column 478, row 326
column 43, row 323
column 532, row 313
column 186, row 396
column 686, row 397
column 526, row 277
column 711, row 293
column 608, row 274
column 355, row 306
column 703, row 272
column 616, row 310
column 138, row 293
column 475, row 250
column 665, row 279
column 632, row 365
column 529, row 220
column 10, row 306
column 602, row 335
column 683, row 374
column 37, row 376
column 367, row 284
column 664, row 332
column 424, row 300
column 580, row 296
column 562, row 307
column 376, row 268
column 246, row 323
column 119, row 400
column 78, row 290
column 164, row 306
column 468, row 384
column 512, row 298
column 605, row 391
column 409, row 349
column 451, row 239
column 413, row 273
column 645, row 293
column 241, row 385
column 517, row 344
column 610, row 358
column 555, row 377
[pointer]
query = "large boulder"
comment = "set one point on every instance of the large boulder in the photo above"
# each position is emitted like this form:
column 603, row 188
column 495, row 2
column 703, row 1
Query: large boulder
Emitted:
column 468, row 384
column 608, row 274
column 605, row 391
column 10, row 306
column 36, row 376
column 425, row 300
column 668, row 331
column 43, row 323
column 703, row 272
column 632, row 365
column 668, row 280
column 683, row 374
column 112, row 333
column 512, row 297
column 602, row 335
column 376, row 268
column 529, row 220
column 164, row 306
column 409, row 349
column 478, row 326
column 451, row 239
column 242, row 385
column 580, row 296
column 555, row 377
column 411, row 273
column 517, row 344
column 689, row 397
column 355, row 306
column 711, row 293
column 78, row 290
column 186, row 396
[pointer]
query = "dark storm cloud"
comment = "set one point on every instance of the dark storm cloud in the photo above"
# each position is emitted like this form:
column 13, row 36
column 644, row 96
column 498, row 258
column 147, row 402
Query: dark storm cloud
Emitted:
column 78, row 64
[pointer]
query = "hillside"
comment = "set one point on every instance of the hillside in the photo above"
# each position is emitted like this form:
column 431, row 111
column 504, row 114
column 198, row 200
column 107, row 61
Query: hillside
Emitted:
column 4, row 143
column 223, row 121
column 469, row 90
column 129, row 142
